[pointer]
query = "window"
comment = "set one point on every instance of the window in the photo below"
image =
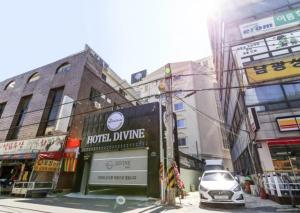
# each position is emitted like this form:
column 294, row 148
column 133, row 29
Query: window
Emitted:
column 2, row 106
column 178, row 92
column 277, row 106
column 51, row 112
column 181, row 141
column 64, row 68
column 103, row 77
column 292, row 91
column 33, row 77
column 18, row 118
column 176, row 77
column 122, row 92
column 10, row 85
column 178, row 106
column 95, row 95
column 264, row 94
column 180, row 123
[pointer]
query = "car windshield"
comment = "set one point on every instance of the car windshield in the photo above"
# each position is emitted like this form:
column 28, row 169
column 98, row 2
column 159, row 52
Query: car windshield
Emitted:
column 217, row 176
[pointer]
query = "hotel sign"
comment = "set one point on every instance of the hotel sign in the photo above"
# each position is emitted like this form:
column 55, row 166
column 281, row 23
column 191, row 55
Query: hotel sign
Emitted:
column 126, row 128
column 269, row 71
column 290, row 123
column 272, row 23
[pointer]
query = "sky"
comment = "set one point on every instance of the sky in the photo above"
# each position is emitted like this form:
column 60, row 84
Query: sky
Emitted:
column 130, row 35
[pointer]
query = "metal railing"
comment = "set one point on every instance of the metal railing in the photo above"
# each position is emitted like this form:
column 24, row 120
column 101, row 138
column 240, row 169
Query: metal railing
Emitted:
column 23, row 188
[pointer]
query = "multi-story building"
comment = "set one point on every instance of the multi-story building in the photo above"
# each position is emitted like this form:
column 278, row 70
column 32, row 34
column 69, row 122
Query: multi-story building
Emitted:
column 256, row 48
column 41, row 116
column 198, row 123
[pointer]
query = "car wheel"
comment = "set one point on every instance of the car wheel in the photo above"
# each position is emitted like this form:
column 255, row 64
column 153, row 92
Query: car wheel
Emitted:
column 201, row 204
column 242, row 205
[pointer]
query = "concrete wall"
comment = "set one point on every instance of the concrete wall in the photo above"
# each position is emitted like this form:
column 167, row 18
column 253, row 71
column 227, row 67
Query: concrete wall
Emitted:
column 189, row 177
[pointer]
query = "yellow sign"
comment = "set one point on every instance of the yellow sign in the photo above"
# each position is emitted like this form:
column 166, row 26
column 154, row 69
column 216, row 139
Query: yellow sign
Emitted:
column 44, row 165
column 287, row 124
column 272, row 71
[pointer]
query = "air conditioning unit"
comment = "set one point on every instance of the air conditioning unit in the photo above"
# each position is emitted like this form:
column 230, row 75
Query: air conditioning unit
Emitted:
column 97, row 105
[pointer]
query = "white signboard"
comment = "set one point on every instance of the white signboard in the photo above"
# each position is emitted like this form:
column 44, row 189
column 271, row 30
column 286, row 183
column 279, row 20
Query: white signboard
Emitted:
column 249, row 49
column 46, row 144
column 283, row 40
column 119, row 168
column 257, row 27
column 282, row 20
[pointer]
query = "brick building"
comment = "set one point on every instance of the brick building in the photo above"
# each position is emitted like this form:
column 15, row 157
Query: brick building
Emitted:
column 41, row 114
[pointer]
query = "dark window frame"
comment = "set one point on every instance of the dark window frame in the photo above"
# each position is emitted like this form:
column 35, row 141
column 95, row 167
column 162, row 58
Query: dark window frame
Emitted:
column 49, row 107
column 19, row 117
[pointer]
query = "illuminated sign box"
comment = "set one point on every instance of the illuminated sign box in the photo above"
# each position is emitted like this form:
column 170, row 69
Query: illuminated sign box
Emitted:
column 290, row 123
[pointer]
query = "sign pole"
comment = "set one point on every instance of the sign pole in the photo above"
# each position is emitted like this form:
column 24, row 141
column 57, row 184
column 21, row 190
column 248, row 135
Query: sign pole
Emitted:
column 170, row 136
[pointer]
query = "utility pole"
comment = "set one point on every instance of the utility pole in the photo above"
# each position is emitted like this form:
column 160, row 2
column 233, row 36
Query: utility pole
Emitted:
column 162, row 158
column 170, row 136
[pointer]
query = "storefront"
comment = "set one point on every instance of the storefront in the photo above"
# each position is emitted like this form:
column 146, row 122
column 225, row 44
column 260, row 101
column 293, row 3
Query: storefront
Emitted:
column 121, row 152
column 32, row 160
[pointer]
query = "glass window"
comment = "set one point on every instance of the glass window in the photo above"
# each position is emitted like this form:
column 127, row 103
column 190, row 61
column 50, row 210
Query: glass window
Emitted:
column 64, row 68
column 264, row 94
column 103, row 77
column 292, row 91
column 2, row 106
column 176, row 77
column 51, row 112
column 181, row 123
column 217, row 176
column 34, row 77
column 277, row 106
column 10, row 85
column 178, row 106
column 295, row 104
column 181, row 141
column 95, row 95
column 18, row 118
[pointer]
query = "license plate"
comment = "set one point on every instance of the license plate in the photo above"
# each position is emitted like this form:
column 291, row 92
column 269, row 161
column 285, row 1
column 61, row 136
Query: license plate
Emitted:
column 221, row 197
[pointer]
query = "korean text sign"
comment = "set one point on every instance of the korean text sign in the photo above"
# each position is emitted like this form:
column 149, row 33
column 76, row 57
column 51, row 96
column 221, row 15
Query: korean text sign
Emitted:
column 271, row 71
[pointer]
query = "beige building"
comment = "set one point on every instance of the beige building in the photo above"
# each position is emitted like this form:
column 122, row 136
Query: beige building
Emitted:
column 198, row 122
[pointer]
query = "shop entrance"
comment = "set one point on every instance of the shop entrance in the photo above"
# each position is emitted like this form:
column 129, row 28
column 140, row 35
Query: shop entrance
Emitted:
column 286, row 157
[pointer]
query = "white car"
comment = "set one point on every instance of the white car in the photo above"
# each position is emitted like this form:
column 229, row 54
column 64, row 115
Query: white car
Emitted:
column 219, row 186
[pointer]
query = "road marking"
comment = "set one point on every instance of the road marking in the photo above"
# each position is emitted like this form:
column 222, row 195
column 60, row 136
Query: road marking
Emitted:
column 99, row 205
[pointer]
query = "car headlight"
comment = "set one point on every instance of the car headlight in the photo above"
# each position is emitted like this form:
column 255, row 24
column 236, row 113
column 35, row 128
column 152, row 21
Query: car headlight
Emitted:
column 202, row 188
column 237, row 189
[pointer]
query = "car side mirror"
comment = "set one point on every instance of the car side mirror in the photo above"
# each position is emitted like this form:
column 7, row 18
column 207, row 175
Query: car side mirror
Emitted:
column 199, row 178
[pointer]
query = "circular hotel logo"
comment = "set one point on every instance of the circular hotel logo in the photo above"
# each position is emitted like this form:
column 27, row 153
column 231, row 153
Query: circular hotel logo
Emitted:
column 115, row 121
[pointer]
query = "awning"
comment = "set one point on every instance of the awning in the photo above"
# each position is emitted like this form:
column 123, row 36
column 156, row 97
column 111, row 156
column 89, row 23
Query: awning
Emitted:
column 284, row 141
column 18, row 156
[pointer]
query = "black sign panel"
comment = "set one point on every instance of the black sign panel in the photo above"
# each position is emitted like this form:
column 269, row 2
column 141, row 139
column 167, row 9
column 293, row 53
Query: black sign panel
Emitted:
column 138, row 76
column 128, row 128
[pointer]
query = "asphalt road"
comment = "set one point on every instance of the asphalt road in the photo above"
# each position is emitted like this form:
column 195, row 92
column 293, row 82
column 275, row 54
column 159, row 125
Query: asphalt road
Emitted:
column 78, row 205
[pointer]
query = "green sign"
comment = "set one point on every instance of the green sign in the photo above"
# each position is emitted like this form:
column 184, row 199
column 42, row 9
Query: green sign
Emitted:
column 291, row 16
